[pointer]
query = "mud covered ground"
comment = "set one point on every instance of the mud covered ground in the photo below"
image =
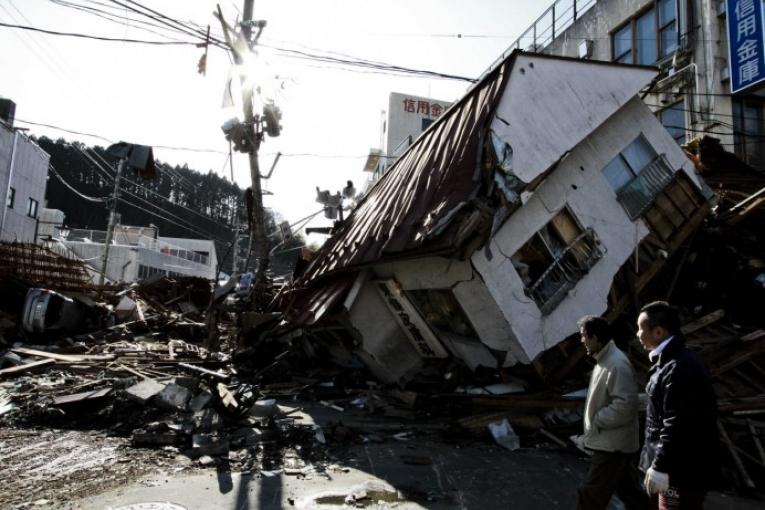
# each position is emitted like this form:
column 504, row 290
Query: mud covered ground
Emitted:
column 40, row 466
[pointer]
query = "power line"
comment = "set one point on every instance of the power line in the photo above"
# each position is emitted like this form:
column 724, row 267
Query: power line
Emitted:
column 99, row 38
column 54, row 56
column 205, row 217
column 115, row 18
column 157, row 215
column 170, row 22
column 81, row 133
column 74, row 190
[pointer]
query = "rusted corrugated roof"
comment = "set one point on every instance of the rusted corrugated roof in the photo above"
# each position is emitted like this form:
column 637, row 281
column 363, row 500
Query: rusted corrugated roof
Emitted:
column 411, row 203
column 438, row 173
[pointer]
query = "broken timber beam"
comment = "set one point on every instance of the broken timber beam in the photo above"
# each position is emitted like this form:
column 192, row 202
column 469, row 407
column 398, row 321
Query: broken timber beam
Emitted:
column 20, row 369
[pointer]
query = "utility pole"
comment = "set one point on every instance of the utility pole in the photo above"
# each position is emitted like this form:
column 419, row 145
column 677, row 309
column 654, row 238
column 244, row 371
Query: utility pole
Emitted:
column 112, row 220
column 258, row 239
column 258, row 244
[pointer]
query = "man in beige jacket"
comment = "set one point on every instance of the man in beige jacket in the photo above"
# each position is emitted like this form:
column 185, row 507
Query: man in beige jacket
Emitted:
column 610, row 423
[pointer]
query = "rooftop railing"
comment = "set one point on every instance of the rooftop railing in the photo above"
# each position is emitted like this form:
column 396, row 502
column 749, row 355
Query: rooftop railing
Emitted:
column 142, row 241
column 557, row 18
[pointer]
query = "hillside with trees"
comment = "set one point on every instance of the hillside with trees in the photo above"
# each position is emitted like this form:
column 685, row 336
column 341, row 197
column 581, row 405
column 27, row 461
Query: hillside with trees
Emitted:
column 180, row 201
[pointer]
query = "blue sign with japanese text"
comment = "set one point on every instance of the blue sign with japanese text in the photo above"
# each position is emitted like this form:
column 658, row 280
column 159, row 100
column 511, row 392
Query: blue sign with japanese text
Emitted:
column 746, row 45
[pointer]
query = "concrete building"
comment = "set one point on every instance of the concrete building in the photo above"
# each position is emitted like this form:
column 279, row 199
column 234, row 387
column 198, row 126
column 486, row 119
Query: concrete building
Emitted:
column 406, row 118
column 546, row 193
column 705, row 85
column 138, row 253
column 23, row 177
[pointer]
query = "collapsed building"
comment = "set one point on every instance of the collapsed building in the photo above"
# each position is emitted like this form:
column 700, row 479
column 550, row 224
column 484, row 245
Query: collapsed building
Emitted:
column 548, row 192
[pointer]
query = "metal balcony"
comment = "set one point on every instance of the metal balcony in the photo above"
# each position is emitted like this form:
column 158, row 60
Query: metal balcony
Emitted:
column 569, row 266
column 638, row 194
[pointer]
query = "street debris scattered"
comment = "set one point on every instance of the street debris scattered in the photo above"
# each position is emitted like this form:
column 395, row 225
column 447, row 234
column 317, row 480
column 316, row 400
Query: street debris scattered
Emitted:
column 144, row 368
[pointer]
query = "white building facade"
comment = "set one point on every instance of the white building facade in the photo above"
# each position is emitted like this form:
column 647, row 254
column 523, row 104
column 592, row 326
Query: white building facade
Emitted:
column 710, row 55
column 23, row 178
column 138, row 253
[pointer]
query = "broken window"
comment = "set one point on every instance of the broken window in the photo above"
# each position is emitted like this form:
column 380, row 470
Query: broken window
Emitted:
column 442, row 312
column 637, row 175
column 555, row 259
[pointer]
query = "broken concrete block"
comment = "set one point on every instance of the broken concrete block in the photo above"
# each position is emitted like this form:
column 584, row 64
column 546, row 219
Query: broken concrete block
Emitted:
column 200, row 401
column 208, row 444
column 207, row 420
column 173, row 397
column 81, row 397
column 144, row 390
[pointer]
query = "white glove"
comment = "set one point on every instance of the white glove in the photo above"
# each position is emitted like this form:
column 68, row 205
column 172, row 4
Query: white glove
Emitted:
column 656, row 482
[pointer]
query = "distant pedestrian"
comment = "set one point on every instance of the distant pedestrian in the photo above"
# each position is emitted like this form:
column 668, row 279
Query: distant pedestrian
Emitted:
column 610, row 423
column 680, row 455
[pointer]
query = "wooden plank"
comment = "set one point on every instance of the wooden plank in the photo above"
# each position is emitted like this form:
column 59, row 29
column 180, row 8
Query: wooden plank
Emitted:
column 754, row 335
column 72, row 358
column 756, row 438
column 736, row 459
column 20, row 369
column 553, row 438
column 703, row 322
column 733, row 362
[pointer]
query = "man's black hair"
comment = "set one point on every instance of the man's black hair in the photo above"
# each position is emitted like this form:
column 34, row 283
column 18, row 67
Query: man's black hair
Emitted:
column 661, row 313
column 596, row 326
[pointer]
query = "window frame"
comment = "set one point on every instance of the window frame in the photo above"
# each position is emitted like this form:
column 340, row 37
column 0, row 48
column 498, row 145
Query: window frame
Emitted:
column 661, row 112
column 633, row 171
column 11, row 198
column 32, row 211
column 657, row 27
column 743, row 140
column 545, row 300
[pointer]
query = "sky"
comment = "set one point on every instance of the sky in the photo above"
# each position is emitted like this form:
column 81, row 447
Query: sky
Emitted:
column 153, row 95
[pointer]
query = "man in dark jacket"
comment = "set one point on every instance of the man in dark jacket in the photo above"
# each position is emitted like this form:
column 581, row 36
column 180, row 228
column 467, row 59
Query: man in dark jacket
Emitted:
column 680, row 455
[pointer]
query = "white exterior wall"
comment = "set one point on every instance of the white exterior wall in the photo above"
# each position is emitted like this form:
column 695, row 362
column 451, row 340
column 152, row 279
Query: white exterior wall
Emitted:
column 196, row 245
column 28, row 177
column 124, row 261
column 385, row 349
column 402, row 123
column 391, row 355
column 578, row 183
column 550, row 105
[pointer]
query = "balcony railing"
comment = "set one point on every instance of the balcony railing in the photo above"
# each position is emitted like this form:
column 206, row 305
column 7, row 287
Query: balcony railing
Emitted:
column 557, row 18
column 638, row 194
column 569, row 266
column 139, row 240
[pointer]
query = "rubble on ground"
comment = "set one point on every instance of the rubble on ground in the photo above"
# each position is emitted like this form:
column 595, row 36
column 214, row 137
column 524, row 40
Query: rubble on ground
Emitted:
column 177, row 367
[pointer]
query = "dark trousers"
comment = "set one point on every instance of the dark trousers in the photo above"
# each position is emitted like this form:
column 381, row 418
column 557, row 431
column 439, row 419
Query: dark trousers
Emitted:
column 679, row 499
column 611, row 473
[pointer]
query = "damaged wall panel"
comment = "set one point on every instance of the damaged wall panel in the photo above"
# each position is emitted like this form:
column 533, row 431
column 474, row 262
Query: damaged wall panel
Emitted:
column 579, row 185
